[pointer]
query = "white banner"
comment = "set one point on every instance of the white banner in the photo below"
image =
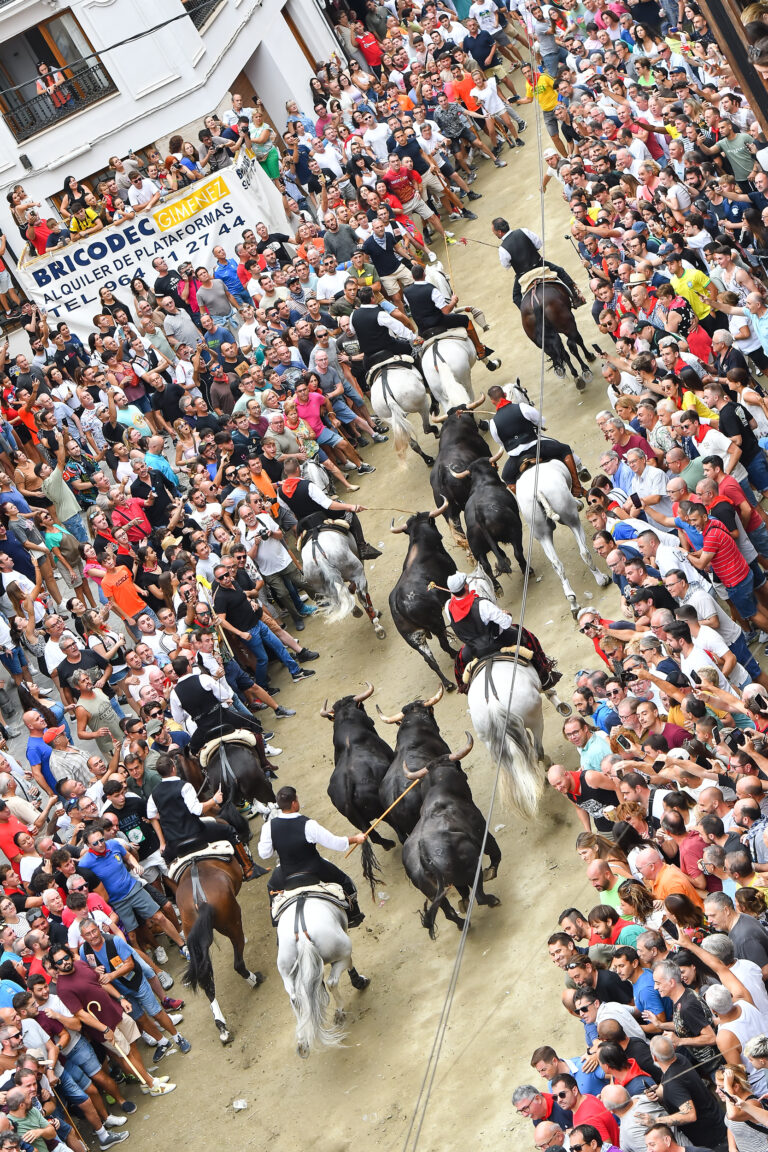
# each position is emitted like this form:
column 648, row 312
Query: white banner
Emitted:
column 187, row 226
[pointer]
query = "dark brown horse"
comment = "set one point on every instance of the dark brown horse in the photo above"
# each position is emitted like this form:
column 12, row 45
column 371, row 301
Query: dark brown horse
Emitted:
column 546, row 312
column 207, row 900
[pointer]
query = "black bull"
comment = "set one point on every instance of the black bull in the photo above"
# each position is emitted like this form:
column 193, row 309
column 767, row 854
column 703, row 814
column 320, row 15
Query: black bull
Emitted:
column 418, row 742
column 460, row 444
column 546, row 312
column 444, row 848
column 492, row 518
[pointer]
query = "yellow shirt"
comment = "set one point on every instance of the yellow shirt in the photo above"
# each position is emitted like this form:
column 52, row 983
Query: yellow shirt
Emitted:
column 692, row 286
column 544, row 91
column 691, row 400
column 91, row 217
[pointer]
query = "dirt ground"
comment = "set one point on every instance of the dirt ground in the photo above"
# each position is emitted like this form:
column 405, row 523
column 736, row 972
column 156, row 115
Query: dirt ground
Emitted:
column 507, row 999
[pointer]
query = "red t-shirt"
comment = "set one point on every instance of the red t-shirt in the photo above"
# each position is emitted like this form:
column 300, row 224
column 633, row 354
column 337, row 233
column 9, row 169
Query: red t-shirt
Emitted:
column 404, row 183
column 370, row 48
column 592, row 1111
column 634, row 441
column 40, row 237
column 8, row 830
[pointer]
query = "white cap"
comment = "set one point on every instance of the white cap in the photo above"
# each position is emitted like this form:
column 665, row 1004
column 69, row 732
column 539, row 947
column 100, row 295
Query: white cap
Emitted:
column 456, row 582
column 549, row 152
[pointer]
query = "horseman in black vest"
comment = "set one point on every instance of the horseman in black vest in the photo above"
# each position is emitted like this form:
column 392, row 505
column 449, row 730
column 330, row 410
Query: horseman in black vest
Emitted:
column 484, row 629
column 432, row 312
column 177, row 815
column 200, row 702
column 519, row 249
column 295, row 838
column 515, row 427
column 306, row 500
column 379, row 335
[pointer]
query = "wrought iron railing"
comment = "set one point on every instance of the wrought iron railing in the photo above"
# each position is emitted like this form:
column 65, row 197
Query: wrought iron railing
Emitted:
column 200, row 11
column 84, row 85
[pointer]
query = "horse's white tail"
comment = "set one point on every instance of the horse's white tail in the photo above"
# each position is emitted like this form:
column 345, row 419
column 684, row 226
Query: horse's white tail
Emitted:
column 311, row 999
column 339, row 599
column 520, row 780
column 549, row 511
column 454, row 391
column 401, row 428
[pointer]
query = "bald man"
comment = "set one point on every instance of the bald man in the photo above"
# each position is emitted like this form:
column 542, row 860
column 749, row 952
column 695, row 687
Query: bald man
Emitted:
column 549, row 1135
column 634, row 1114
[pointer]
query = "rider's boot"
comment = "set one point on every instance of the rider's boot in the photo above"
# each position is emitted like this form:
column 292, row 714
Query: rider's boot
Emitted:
column 547, row 672
column 355, row 916
column 251, row 871
column 576, row 487
column 483, row 352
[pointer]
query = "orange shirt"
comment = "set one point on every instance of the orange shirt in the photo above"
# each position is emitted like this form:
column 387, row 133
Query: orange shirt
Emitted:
column 266, row 487
column 118, row 585
column 461, row 89
column 670, row 880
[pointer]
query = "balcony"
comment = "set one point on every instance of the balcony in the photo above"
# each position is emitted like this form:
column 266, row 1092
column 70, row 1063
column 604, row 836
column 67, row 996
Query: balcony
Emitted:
column 199, row 11
column 86, row 83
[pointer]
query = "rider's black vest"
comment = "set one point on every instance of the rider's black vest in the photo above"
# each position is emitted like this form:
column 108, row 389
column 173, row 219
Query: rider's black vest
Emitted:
column 300, row 502
column 477, row 636
column 424, row 312
column 512, row 427
column 176, row 820
column 197, row 701
column 515, row 243
column 372, row 336
column 296, row 855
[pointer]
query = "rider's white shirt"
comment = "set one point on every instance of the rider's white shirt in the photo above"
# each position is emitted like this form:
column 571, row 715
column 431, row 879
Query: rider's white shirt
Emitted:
column 188, row 796
column 490, row 613
column 314, row 833
column 221, row 691
column 529, row 413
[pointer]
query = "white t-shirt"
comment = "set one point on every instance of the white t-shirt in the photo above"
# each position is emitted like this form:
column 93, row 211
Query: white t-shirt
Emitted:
column 488, row 98
column 138, row 196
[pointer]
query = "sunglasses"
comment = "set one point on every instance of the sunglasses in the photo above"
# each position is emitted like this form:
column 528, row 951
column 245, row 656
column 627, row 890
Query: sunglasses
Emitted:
column 572, row 963
column 101, row 838
column 576, row 1147
column 582, row 1012
column 564, row 1096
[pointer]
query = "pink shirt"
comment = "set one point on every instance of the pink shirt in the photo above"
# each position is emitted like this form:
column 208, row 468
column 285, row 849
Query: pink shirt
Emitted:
column 311, row 411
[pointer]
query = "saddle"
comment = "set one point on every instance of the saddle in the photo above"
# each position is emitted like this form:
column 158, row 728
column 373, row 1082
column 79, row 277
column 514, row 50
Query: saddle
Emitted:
column 219, row 850
column 535, row 275
column 432, row 335
column 399, row 360
column 239, row 736
column 316, row 523
column 475, row 666
column 333, row 893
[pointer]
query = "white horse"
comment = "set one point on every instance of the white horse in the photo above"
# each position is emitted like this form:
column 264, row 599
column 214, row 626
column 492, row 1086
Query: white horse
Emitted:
column 396, row 392
column 310, row 934
column 333, row 569
column 313, row 471
column 447, row 361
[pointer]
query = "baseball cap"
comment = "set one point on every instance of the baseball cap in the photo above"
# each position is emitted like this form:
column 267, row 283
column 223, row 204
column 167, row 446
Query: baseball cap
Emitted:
column 666, row 250
column 639, row 226
column 154, row 726
column 51, row 733
column 456, row 582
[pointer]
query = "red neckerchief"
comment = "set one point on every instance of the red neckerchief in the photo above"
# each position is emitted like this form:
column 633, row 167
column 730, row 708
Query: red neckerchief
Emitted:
column 630, row 1073
column 460, row 606
column 289, row 486
column 576, row 782
column 699, row 436
column 502, row 404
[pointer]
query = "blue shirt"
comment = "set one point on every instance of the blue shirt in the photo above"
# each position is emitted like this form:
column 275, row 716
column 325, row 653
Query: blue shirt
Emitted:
column 604, row 717
column 8, row 989
column 111, row 870
column 161, row 465
column 593, row 752
column 590, row 1083
column 219, row 335
column 647, row 998
column 124, row 951
column 38, row 752
column 623, row 477
column 228, row 273
column 15, row 497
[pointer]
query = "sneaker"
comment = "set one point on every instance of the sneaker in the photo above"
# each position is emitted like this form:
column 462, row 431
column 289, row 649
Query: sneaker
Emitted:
column 112, row 1138
column 352, row 488
column 380, row 438
column 469, row 215
column 310, row 609
column 298, row 624
column 166, row 980
column 282, row 713
column 172, row 1005
column 455, row 216
column 470, row 179
column 498, row 148
column 182, row 1044
column 45, row 691
column 12, row 730
column 166, row 1047
column 161, row 956
column 115, row 1121
column 432, row 257
column 128, row 1107
column 302, row 674
column 267, row 736
column 500, row 163
column 519, row 143
column 184, row 953
column 362, row 442
column 348, row 466
column 522, row 125
column 306, row 654
column 365, row 469
column 475, row 195
column 158, row 1089
column 272, row 750
column 449, row 235
column 150, row 1041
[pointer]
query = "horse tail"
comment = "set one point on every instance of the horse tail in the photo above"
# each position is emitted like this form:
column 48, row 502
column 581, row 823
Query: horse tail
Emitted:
column 371, row 868
column 455, row 393
column 520, row 782
column 547, row 508
column 311, row 998
column 401, row 429
column 340, row 600
column 199, row 973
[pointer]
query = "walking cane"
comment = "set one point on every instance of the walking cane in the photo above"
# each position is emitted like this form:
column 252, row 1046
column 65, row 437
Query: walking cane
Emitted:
column 351, row 849
column 147, row 1083
column 66, row 1112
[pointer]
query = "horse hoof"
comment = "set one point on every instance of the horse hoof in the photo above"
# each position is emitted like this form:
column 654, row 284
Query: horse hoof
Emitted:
column 483, row 425
column 563, row 709
column 226, row 1038
column 361, row 983
column 463, row 907
column 254, row 979
column 357, row 611
column 559, row 370
column 574, row 608
column 339, row 1016
column 588, row 375
column 490, row 873
column 492, row 901
column 302, row 1050
column 382, row 635
column 604, row 580
column 580, row 384
column 449, row 687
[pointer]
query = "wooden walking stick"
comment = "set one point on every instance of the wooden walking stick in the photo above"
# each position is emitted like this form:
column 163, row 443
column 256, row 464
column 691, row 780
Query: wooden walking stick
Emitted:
column 147, row 1083
column 351, row 849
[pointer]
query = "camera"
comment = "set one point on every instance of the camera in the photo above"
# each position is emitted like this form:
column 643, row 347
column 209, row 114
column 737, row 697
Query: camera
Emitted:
column 263, row 533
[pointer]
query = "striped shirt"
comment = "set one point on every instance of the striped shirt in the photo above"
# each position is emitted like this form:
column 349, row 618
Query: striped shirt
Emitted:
column 728, row 564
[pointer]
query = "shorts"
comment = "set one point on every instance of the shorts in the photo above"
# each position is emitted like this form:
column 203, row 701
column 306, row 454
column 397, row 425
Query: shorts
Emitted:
column 329, row 436
column 551, row 122
column 401, row 276
column 343, row 412
column 136, row 908
column 742, row 596
column 5, row 282
column 126, row 1033
column 74, row 1084
column 464, row 137
column 14, row 662
column 420, row 208
column 498, row 72
column 83, row 1058
column 500, row 37
column 757, row 470
column 432, row 183
column 759, row 538
column 143, row 1000
column 154, row 866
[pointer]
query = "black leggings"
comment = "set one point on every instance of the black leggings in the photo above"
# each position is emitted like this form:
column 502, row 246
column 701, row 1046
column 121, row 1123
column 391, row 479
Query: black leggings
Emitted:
column 550, row 450
column 325, row 870
column 210, row 832
column 448, row 323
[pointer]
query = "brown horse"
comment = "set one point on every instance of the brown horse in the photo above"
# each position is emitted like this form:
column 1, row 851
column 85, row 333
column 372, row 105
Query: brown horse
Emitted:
column 207, row 900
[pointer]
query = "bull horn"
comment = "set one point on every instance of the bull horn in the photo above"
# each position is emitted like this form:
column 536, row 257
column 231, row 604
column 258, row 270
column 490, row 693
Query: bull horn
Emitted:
column 324, row 711
column 400, row 528
column 389, row 719
column 435, row 699
column 364, row 695
column 439, row 511
column 475, row 403
column 463, row 751
column 459, row 475
column 438, row 419
column 496, row 456
column 413, row 775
